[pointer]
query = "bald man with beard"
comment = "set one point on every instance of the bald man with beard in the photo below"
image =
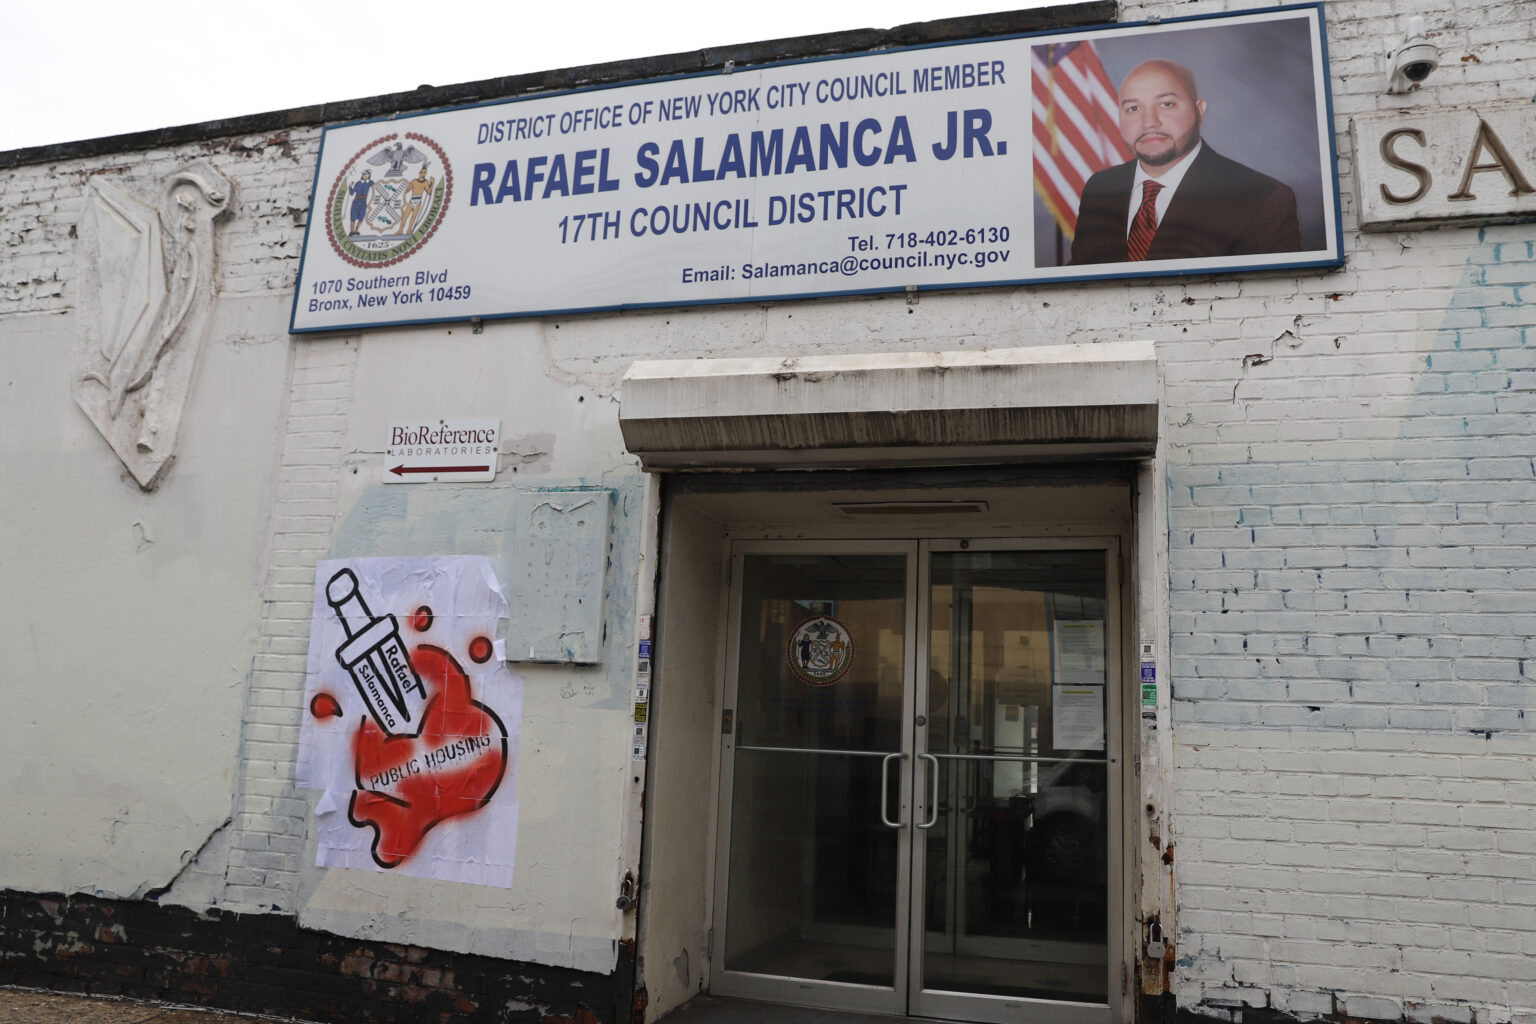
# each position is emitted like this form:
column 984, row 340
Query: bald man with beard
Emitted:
column 1178, row 199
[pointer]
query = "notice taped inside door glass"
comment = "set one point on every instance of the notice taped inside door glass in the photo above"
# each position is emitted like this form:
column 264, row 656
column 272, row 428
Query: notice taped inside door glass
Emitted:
column 1077, row 685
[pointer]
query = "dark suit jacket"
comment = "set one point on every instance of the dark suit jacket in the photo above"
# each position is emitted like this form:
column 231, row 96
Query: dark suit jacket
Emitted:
column 1221, row 209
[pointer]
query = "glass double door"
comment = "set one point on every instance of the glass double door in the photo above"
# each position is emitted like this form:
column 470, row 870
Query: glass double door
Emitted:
column 920, row 780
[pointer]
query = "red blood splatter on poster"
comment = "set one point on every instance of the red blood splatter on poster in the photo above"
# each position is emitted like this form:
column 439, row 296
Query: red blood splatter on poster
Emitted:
column 408, row 784
column 325, row 706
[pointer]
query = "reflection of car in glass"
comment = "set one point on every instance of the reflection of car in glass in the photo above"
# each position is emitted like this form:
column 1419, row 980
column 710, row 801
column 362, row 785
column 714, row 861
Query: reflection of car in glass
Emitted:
column 1044, row 850
column 1066, row 846
column 1066, row 838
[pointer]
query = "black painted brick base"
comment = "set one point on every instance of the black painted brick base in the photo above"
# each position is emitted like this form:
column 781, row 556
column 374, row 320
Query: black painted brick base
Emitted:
column 266, row 963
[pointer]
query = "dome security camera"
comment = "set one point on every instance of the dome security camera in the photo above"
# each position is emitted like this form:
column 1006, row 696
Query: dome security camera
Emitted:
column 1414, row 60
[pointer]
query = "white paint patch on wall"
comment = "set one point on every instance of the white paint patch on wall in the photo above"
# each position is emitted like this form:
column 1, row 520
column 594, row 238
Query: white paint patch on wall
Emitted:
column 132, row 615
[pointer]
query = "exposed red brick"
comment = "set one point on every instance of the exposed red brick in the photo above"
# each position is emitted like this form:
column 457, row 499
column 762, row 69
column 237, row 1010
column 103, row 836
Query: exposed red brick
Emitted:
column 357, row 966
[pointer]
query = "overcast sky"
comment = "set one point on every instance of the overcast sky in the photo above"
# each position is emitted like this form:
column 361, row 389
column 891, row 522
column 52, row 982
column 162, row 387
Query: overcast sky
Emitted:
column 80, row 70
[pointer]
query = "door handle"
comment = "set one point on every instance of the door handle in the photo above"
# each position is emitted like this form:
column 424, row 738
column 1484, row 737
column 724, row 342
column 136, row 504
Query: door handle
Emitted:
column 885, row 789
column 933, row 792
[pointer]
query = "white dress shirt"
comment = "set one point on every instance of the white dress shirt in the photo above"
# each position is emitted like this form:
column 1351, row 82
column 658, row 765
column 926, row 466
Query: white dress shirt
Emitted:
column 1170, row 180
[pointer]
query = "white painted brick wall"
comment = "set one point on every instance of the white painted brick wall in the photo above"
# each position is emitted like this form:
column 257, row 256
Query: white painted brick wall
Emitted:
column 1352, row 569
column 258, row 247
column 270, row 812
column 1351, row 619
column 1377, row 874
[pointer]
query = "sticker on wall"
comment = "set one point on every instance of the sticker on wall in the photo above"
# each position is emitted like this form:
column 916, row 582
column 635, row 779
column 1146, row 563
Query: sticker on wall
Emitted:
column 412, row 719
column 1148, row 676
column 820, row 651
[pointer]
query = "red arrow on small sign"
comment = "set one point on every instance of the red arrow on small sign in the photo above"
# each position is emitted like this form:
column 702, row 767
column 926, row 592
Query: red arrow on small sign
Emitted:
column 402, row 469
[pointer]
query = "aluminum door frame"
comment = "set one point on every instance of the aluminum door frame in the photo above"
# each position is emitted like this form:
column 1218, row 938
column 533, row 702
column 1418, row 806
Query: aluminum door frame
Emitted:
column 994, row 1009
column 907, row 997
column 786, row 989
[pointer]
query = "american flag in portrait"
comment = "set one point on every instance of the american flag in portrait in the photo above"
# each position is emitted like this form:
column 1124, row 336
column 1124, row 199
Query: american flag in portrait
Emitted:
column 1076, row 126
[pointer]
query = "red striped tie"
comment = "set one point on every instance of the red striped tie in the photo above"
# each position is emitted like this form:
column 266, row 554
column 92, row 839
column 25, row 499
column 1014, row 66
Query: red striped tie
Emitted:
column 1145, row 224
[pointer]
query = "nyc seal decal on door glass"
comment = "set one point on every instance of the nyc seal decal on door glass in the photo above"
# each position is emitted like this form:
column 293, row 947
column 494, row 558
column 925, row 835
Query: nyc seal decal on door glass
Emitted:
column 820, row 651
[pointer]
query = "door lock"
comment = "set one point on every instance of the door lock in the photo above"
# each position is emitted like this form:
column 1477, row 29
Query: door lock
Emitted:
column 626, row 892
column 1156, row 947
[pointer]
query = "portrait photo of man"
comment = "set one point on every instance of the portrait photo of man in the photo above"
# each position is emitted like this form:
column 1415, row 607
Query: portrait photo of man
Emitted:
column 1177, row 198
column 1191, row 145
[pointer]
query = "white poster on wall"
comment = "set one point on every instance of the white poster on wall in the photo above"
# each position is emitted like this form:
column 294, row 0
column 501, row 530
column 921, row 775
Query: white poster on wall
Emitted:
column 411, row 719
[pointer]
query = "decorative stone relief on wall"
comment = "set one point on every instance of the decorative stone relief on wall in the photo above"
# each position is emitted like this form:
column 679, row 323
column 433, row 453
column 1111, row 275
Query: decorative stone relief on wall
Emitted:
column 147, row 286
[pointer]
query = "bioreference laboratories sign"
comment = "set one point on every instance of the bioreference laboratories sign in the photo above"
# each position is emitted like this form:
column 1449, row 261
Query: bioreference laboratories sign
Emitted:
column 991, row 162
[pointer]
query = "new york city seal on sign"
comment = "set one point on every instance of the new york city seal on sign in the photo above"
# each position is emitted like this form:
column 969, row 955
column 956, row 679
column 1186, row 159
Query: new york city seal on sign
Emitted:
column 389, row 199
column 820, row 651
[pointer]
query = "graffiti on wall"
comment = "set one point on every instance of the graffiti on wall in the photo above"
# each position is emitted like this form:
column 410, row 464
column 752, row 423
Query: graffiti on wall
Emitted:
column 411, row 719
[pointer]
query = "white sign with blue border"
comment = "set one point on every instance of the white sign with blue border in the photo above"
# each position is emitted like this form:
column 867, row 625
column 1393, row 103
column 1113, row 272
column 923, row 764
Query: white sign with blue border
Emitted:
column 994, row 162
